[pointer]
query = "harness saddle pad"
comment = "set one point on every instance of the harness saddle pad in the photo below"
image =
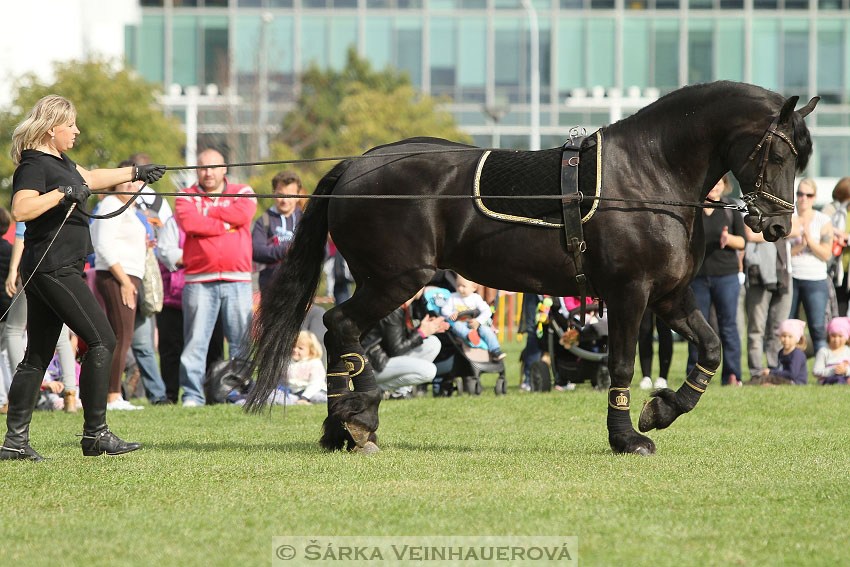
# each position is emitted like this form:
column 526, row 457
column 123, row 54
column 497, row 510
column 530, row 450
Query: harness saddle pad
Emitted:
column 512, row 173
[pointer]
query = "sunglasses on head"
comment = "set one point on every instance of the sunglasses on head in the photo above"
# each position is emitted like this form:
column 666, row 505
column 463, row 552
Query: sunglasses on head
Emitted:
column 808, row 195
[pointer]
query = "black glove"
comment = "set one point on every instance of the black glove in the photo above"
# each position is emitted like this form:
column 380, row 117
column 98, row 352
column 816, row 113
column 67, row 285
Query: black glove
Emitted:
column 78, row 194
column 148, row 173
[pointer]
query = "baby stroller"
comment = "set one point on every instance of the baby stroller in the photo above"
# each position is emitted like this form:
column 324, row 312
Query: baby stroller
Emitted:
column 575, row 353
column 460, row 364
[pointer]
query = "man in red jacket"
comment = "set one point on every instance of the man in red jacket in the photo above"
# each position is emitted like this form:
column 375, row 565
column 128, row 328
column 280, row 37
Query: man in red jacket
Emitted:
column 217, row 258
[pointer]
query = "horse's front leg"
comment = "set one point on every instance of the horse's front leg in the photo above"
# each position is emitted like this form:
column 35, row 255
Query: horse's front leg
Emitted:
column 624, row 315
column 683, row 316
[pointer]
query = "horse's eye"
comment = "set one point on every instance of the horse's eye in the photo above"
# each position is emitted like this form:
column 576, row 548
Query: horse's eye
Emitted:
column 777, row 159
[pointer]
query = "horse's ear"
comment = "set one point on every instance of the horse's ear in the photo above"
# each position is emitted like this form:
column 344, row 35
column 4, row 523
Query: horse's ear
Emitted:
column 806, row 110
column 788, row 109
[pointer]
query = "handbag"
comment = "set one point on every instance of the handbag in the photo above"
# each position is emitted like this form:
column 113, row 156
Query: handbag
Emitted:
column 150, row 300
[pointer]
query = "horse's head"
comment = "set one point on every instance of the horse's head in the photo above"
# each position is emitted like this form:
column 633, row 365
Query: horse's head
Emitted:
column 767, row 174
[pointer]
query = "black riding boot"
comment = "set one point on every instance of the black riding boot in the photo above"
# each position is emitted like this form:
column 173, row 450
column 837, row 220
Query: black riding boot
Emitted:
column 23, row 395
column 94, row 386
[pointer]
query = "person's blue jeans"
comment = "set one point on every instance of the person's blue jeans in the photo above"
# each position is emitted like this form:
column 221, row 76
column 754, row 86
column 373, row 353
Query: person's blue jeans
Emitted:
column 145, row 355
column 461, row 329
column 722, row 292
column 201, row 305
column 813, row 295
column 533, row 348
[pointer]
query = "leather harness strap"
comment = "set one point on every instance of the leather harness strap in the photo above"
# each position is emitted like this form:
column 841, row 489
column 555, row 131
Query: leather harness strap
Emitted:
column 572, row 213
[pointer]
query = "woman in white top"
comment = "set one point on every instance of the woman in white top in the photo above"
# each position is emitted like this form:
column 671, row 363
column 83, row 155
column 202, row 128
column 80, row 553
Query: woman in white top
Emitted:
column 811, row 247
column 119, row 245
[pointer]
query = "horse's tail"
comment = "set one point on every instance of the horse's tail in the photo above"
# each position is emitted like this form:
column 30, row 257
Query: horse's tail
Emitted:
column 285, row 303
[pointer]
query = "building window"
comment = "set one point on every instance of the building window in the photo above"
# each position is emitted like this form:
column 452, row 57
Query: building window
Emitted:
column 443, row 49
column 151, row 48
column 729, row 47
column 700, row 51
column 795, row 36
column 831, row 61
column 666, row 76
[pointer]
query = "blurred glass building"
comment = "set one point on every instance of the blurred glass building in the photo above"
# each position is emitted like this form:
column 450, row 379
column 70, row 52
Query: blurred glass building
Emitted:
column 598, row 59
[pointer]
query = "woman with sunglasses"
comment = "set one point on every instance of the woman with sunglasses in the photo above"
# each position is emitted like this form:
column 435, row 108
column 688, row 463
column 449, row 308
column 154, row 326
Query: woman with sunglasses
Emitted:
column 811, row 247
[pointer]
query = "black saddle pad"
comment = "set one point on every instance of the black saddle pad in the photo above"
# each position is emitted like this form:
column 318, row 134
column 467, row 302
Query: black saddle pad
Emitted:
column 516, row 173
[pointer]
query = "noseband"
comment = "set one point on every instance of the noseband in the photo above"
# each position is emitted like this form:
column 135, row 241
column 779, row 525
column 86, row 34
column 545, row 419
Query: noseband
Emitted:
column 764, row 147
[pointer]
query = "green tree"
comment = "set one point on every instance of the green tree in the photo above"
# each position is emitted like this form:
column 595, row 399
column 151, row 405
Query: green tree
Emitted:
column 347, row 112
column 117, row 114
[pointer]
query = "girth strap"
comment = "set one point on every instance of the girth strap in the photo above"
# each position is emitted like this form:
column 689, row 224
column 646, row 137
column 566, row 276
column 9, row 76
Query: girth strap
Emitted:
column 571, row 203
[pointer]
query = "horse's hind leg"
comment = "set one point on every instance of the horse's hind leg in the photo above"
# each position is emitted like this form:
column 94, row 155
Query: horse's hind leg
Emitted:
column 683, row 316
column 353, row 412
column 624, row 314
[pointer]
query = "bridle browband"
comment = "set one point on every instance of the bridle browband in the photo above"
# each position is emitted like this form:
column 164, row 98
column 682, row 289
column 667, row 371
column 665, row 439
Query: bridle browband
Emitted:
column 764, row 147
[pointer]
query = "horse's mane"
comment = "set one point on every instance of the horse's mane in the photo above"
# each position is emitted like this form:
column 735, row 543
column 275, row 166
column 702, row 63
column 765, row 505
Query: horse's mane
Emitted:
column 725, row 90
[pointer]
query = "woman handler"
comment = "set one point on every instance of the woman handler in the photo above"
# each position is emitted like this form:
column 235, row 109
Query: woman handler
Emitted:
column 46, row 184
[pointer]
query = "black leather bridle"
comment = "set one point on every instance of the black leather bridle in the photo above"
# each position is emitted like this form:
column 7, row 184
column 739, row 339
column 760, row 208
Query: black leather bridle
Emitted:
column 763, row 147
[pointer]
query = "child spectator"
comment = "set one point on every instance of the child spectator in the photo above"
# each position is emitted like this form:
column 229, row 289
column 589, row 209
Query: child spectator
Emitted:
column 792, row 358
column 465, row 300
column 50, row 396
column 832, row 362
column 306, row 377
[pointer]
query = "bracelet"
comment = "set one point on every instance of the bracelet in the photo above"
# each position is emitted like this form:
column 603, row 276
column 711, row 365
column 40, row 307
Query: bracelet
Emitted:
column 421, row 334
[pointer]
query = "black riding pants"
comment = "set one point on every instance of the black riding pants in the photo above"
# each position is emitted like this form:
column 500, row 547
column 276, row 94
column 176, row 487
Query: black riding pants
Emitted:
column 57, row 297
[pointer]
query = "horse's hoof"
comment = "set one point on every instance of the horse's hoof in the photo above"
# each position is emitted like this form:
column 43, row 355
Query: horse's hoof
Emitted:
column 359, row 433
column 658, row 412
column 368, row 449
column 632, row 442
column 644, row 451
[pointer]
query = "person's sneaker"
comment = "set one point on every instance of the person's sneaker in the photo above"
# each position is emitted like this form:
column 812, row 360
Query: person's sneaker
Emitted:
column 192, row 404
column 403, row 393
column 122, row 404
column 5, row 408
column 497, row 355
column 646, row 383
column 660, row 383
column 525, row 387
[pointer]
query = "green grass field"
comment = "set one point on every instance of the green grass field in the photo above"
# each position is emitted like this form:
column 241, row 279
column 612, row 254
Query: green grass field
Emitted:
column 753, row 476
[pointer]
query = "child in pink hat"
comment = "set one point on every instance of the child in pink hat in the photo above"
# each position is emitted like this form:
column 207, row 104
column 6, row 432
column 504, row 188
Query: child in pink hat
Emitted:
column 832, row 362
column 792, row 358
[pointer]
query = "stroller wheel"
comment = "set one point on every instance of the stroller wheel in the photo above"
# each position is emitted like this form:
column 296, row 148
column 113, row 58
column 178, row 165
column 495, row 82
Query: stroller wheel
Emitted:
column 501, row 386
column 472, row 386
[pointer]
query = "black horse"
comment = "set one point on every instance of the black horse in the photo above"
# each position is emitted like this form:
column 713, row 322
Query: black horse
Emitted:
column 637, row 254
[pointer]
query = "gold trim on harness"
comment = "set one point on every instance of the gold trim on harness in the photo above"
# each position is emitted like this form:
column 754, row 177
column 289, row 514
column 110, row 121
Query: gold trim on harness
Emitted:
column 476, row 191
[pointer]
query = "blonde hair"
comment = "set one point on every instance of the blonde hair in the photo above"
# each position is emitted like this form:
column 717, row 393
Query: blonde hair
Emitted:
column 810, row 182
column 47, row 113
column 315, row 347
